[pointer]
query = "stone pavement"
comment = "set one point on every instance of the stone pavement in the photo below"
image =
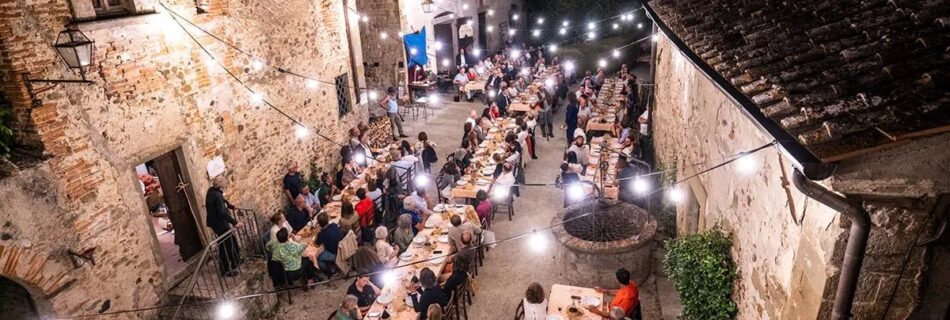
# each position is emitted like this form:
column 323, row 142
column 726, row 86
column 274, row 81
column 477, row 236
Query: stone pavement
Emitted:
column 510, row 267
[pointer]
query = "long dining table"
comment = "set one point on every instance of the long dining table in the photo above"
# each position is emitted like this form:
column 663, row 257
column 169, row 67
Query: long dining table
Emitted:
column 482, row 165
column 569, row 302
column 430, row 249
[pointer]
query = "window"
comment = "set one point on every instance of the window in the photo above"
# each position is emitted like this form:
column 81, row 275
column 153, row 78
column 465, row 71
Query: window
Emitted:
column 110, row 7
column 342, row 94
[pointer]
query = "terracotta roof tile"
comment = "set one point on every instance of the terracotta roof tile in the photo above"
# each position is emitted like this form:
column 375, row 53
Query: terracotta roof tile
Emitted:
column 840, row 75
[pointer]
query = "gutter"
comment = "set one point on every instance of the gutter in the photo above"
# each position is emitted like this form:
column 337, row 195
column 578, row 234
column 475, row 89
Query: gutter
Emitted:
column 807, row 168
column 857, row 240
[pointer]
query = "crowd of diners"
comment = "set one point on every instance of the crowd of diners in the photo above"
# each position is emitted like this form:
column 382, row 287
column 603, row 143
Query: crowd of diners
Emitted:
column 383, row 206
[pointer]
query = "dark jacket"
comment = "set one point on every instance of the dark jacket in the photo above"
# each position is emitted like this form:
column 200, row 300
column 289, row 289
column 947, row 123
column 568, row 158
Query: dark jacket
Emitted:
column 502, row 101
column 421, row 302
column 570, row 118
column 219, row 217
column 493, row 83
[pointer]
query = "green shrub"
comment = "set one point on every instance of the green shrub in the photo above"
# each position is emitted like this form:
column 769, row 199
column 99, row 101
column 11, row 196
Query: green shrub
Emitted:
column 702, row 271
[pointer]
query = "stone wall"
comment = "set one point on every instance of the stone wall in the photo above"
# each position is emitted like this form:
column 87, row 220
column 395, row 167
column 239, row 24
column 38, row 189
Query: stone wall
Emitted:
column 382, row 56
column 156, row 91
column 787, row 247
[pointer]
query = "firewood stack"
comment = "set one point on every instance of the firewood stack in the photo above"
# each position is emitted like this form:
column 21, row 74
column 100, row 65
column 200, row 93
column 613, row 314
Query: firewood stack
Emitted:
column 380, row 132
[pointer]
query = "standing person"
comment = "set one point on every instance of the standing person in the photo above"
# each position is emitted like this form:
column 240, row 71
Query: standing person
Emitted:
column 503, row 100
column 570, row 119
column 391, row 105
column 545, row 114
column 426, row 149
column 221, row 221
column 293, row 180
column 626, row 298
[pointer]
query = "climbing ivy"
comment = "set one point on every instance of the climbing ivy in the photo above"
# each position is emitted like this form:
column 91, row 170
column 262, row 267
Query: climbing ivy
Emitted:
column 702, row 271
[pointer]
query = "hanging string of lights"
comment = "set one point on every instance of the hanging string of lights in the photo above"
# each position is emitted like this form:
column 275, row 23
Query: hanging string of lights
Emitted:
column 574, row 192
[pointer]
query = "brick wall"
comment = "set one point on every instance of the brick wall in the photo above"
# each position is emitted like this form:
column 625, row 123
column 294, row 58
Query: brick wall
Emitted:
column 156, row 91
column 381, row 57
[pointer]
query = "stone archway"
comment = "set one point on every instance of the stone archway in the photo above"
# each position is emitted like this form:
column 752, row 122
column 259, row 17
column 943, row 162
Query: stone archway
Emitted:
column 36, row 272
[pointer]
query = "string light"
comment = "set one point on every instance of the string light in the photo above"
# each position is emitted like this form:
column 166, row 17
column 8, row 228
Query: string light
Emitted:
column 421, row 181
column 477, row 52
column 480, row 69
column 616, row 53
column 490, row 28
column 563, row 31
column 492, row 93
column 549, row 82
column 500, row 193
column 602, row 63
column 465, row 6
column 576, row 192
column 389, row 277
column 537, row 242
column 373, row 95
column 746, row 164
column 400, row 34
column 675, row 194
column 639, row 26
column 360, row 158
column 591, row 26
column 569, row 66
column 413, row 51
column 451, row 16
column 433, row 99
column 257, row 98
column 565, row 23
column 511, row 32
column 491, row 12
column 311, row 84
column 226, row 310
column 641, row 185
column 616, row 26
column 655, row 37
column 552, row 48
column 257, row 65
column 591, row 35
column 365, row 18
column 540, row 20
column 445, row 63
column 469, row 22
column 301, row 132
column 536, row 33
column 515, row 53
column 383, row 35
column 515, row 17
column 437, row 45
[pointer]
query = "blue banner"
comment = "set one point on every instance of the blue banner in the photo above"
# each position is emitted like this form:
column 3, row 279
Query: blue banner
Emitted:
column 416, row 42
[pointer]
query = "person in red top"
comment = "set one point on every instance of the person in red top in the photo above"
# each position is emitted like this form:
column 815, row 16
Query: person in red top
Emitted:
column 626, row 298
column 365, row 209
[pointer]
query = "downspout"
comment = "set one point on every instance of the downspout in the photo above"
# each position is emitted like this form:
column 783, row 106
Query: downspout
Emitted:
column 857, row 240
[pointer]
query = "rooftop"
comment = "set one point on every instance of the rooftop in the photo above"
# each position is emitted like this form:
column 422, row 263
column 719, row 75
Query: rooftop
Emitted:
column 841, row 76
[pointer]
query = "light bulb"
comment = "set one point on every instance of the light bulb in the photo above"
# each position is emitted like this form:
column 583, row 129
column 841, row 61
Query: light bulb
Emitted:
column 566, row 23
column 675, row 194
column 563, row 31
column 490, row 28
column 616, row 53
column 537, row 242
column 413, row 51
column 491, row 12
column 641, row 185
column 500, row 193
column 511, row 32
column 480, row 69
column 515, row 17
column 257, row 65
column 616, row 26
column 540, row 20
column 569, row 66
column 575, row 192
column 746, row 164
column 591, row 35
column 639, row 26
column 421, row 181
column 400, row 34
column 602, row 63
column 301, row 132
column 433, row 99
column 549, row 82
column 552, row 48
column 465, row 6
column 445, row 63
column 365, row 18
column 591, row 26
column 492, row 93
column 655, row 37
column 477, row 52
column 373, row 95
column 311, row 84
column 383, row 35
column 536, row 33
column 437, row 45
column 389, row 278
column 469, row 23
column 515, row 53
column 226, row 310
column 257, row 98
column 360, row 158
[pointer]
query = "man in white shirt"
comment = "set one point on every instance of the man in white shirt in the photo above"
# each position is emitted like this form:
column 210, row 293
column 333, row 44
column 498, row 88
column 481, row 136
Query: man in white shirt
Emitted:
column 580, row 150
column 472, row 118
column 460, row 80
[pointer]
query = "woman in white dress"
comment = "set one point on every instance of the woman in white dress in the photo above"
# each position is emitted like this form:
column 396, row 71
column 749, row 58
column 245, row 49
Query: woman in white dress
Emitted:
column 535, row 305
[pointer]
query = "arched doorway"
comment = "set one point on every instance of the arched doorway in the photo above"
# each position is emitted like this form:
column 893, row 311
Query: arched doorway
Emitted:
column 16, row 302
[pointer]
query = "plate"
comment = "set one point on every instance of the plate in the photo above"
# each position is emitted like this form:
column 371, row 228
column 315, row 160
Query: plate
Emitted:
column 555, row 317
column 483, row 182
column 591, row 301
column 384, row 299
column 419, row 240
column 461, row 182
column 375, row 314
column 406, row 256
column 337, row 197
column 444, row 239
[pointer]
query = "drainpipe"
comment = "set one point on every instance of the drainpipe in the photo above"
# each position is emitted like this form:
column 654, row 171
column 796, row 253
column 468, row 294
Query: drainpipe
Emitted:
column 857, row 240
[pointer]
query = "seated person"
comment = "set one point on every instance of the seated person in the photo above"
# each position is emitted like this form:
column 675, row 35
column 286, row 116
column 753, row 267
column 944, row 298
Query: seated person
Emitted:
column 366, row 211
column 534, row 302
column 403, row 235
column 288, row 253
column 456, row 279
column 313, row 203
column 455, row 232
column 349, row 309
column 427, row 292
column 279, row 222
column 364, row 291
column 460, row 80
column 385, row 251
column 329, row 241
column 484, row 207
column 626, row 298
column 298, row 215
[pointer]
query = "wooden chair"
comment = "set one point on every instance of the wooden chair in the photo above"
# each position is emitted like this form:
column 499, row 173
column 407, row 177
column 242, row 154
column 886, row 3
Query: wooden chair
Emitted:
column 462, row 298
column 450, row 310
column 479, row 252
column 519, row 311
column 508, row 204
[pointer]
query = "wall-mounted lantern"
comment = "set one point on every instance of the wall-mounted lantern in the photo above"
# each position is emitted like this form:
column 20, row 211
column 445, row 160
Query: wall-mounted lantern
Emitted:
column 427, row 6
column 76, row 50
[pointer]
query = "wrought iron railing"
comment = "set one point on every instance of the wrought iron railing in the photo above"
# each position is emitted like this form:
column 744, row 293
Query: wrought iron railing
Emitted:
column 220, row 267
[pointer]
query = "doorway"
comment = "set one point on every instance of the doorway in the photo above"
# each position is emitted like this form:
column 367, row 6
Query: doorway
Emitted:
column 482, row 40
column 16, row 303
column 443, row 34
column 166, row 192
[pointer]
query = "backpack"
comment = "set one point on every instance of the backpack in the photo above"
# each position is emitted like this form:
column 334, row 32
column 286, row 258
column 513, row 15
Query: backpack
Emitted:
column 428, row 154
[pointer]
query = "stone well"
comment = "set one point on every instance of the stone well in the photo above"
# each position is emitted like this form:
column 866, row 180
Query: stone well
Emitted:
column 598, row 237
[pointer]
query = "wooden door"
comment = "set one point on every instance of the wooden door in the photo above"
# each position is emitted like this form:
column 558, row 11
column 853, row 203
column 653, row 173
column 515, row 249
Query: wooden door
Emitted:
column 179, row 208
column 443, row 34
